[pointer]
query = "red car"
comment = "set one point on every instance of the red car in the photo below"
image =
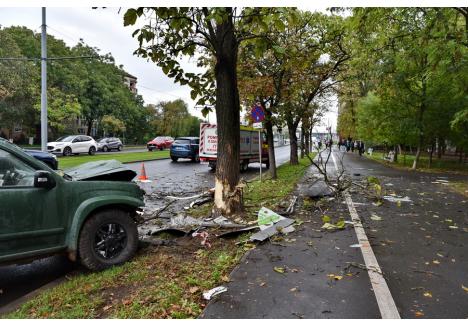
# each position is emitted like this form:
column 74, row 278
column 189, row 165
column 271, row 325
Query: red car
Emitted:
column 161, row 142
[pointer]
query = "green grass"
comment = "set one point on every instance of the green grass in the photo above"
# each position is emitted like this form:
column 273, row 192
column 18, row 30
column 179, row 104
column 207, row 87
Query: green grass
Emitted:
column 460, row 187
column 442, row 165
column 71, row 161
column 164, row 282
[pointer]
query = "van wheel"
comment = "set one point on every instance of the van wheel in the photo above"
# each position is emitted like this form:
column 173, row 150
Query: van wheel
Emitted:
column 107, row 238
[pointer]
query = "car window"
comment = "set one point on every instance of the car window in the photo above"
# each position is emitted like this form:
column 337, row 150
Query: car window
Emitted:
column 65, row 139
column 14, row 172
column 85, row 138
column 182, row 141
column 195, row 141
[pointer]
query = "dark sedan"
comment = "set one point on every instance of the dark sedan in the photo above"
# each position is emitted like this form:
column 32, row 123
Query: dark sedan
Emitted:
column 185, row 147
column 47, row 158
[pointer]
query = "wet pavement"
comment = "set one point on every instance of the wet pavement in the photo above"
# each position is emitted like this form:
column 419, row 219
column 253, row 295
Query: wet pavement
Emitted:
column 420, row 246
column 181, row 178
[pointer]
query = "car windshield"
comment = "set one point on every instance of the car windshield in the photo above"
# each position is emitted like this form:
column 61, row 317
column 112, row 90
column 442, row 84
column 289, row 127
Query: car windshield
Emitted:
column 66, row 138
column 182, row 141
column 158, row 138
column 102, row 140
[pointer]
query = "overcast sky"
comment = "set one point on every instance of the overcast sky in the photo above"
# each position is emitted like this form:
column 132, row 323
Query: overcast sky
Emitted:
column 103, row 28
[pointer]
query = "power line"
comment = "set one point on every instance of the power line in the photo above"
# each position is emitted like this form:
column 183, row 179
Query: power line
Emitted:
column 51, row 58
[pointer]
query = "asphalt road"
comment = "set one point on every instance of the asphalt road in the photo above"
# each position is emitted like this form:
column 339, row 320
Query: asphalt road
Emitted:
column 183, row 177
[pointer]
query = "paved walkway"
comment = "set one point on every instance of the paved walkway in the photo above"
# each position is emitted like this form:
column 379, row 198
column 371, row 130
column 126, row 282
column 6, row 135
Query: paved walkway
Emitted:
column 420, row 246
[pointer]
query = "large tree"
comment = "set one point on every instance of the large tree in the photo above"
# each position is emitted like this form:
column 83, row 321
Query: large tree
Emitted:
column 167, row 34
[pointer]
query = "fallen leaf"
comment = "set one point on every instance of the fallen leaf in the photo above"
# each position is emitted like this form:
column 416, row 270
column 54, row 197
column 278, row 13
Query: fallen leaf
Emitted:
column 326, row 219
column 398, row 203
column 126, row 302
column 419, row 314
column 225, row 278
column 279, row 269
column 349, row 274
column 464, row 288
column 107, row 307
column 448, row 220
column 294, row 270
column 453, row 227
column 293, row 290
column 427, row 294
column 440, row 255
column 194, row 289
column 335, row 277
column 262, row 284
column 375, row 217
column 453, row 260
column 436, row 262
column 310, row 243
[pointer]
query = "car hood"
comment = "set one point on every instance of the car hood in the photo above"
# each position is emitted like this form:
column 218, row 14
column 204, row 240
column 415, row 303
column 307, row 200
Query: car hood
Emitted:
column 55, row 143
column 109, row 170
column 38, row 153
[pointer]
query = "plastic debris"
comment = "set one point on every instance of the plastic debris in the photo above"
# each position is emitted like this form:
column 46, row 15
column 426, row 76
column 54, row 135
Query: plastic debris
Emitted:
column 375, row 217
column 204, row 236
column 357, row 245
column 207, row 295
column 395, row 199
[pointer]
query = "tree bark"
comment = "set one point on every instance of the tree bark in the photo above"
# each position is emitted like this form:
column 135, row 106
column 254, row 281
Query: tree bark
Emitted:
column 228, row 199
column 439, row 148
column 292, row 127
column 302, row 143
column 422, row 109
column 90, row 126
column 431, row 154
column 271, row 143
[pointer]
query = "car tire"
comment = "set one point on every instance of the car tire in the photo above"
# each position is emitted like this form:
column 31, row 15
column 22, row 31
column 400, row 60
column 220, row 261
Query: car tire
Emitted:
column 106, row 239
column 105, row 149
column 161, row 148
column 174, row 159
column 119, row 148
column 196, row 158
column 92, row 150
column 67, row 151
column 150, row 149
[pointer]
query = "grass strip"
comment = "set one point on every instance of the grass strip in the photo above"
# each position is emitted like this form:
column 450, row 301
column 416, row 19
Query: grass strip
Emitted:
column 71, row 161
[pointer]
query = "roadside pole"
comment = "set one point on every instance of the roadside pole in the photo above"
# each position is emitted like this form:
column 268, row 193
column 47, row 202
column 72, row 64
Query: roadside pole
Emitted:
column 260, row 152
column 258, row 115
column 44, row 82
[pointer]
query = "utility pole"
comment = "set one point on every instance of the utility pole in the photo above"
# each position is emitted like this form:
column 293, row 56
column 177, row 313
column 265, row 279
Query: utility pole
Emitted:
column 44, row 82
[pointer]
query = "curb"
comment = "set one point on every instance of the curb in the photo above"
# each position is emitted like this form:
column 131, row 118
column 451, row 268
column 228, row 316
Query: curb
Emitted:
column 147, row 160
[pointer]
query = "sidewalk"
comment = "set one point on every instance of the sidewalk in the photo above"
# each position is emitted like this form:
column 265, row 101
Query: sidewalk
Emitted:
column 306, row 289
column 419, row 245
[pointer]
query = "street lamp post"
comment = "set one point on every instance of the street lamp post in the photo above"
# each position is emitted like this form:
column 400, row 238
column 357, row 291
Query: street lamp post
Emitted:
column 44, row 82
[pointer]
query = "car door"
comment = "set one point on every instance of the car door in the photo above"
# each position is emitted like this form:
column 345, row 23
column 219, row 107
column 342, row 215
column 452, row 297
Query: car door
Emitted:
column 30, row 223
column 195, row 146
column 113, row 143
column 76, row 145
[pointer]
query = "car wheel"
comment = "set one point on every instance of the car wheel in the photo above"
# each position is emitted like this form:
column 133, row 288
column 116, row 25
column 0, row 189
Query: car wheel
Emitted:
column 196, row 158
column 107, row 238
column 119, row 148
column 105, row 149
column 174, row 159
column 92, row 150
column 150, row 149
column 67, row 151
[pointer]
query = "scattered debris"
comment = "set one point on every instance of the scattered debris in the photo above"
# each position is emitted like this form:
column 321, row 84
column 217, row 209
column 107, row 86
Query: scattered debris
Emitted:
column 419, row 314
column 356, row 245
column 204, row 238
column 396, row 199
column 464, row 288
column 290, row 209
column 335, row 277
column 207, row 295
column 271, row 223
column 318, row 189
column 427, row 294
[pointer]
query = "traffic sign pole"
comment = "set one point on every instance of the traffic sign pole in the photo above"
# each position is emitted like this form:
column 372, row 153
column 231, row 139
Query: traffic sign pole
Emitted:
column 260, row 152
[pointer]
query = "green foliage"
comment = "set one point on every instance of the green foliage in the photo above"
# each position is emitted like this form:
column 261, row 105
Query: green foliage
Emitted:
column 112, row 124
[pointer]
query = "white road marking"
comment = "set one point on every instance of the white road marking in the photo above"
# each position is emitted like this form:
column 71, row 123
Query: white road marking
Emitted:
column 387, row 307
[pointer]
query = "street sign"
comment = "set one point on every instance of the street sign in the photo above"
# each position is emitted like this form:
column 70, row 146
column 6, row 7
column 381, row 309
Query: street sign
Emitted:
column 257, row 114
column 257, row 125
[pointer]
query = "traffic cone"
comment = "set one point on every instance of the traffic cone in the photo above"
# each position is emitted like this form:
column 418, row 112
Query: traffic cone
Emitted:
column 142, row 176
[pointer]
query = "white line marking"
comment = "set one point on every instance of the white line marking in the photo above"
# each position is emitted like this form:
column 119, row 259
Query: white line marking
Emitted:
column 387, row 307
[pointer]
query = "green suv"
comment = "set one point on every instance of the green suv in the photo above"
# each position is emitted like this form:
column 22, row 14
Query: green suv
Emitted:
column 42, row 213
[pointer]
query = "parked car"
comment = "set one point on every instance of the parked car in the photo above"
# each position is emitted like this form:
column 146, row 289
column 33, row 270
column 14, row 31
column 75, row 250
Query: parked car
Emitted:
column 109, row 143
column 84, row 215
column 161, row 142
column 185, row 147
column 75, row 144
column 47, row 158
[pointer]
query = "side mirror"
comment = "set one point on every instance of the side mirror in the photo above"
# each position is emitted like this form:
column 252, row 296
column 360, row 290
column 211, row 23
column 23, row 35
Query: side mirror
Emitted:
column 44, row 179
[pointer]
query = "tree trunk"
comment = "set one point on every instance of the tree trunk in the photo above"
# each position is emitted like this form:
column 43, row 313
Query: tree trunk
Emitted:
column 90, row 126
column 271, row 143
column 228, row 199
column 395, row 156
column 422, row 108
column 431, row 154
column 307, row 141
column 293, row 158
column 302, row 142
column 439, row 148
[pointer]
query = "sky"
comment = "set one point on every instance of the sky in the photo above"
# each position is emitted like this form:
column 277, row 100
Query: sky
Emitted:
column 103, row 28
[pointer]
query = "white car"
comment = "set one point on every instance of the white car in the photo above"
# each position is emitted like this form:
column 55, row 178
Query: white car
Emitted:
column 76, row 144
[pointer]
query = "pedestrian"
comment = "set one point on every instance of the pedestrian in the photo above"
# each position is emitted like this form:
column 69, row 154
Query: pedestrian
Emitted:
column 319, row 144
column 362, row 148
column 353, row 143
column 348, row 145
